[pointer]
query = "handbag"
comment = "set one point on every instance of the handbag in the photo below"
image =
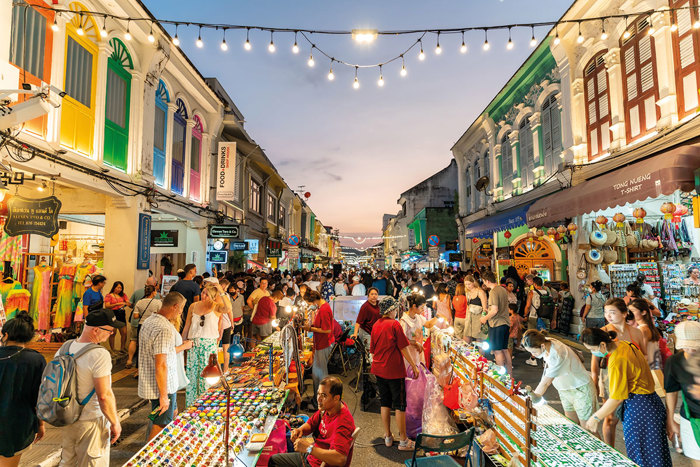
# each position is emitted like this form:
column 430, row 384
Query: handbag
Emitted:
column 451, row 393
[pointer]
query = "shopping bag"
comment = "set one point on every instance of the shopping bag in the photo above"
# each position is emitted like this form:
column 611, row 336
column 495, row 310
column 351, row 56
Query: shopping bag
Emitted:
column 451, row 394
column 436, row 418
column 426, row 351
column 415, row 395
column 276, row 443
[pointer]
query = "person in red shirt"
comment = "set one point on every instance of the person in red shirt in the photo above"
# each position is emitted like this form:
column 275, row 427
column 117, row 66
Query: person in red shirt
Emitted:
column 368, row 315
column 322, row 328
column 332, row 427
column 265, row 312
column 389, row 347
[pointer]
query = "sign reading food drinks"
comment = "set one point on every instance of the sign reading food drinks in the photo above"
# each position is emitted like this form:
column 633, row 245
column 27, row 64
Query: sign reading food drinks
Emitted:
column 32, row 216
column 226, row 172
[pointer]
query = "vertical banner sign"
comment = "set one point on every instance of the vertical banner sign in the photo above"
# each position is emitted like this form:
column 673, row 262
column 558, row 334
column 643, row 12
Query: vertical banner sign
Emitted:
column 226, row 172
column 144, row 247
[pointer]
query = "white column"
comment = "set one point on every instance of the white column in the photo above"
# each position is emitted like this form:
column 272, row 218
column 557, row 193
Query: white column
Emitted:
column 461, row 184
column 188, row 155
column 496, row 172
column 617, row 97
column 570, row 112
column 578, row 151
column 138, row 126
column 169, row 123
column 99, row 104
column 58, row 65
column 665, row 71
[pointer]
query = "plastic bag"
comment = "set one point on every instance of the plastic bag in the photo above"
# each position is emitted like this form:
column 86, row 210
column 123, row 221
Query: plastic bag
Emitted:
column 415, row 396
column 489, row 442
column 468, row 398
column 436, row 418
column 442, row 368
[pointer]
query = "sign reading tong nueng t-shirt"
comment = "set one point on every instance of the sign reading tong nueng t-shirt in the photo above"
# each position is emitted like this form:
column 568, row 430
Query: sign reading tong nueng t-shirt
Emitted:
column 32, row 216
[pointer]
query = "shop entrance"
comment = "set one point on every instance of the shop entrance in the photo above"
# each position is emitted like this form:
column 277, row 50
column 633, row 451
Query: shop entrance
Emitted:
column 531, row 255
column 483, row 254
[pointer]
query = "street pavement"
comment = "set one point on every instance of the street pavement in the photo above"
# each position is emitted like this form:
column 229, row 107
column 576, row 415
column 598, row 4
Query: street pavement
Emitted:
column 369, row 449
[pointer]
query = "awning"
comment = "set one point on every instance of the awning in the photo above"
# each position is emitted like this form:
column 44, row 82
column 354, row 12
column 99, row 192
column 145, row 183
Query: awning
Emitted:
column 505, row 220
column 659, row 175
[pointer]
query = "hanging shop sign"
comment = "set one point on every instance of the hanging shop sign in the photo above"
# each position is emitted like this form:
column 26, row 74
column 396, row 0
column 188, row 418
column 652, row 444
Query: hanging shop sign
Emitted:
column 237, row 246
column 33, row 216
column 452, row 246
column 164, row 238
column 293, row 254
column 274, row 249
column 253, row 247
column 230, row 231
column 455, row 257
column 143, row 257
column 434, row 253
column 217, row 256
column 226, row 172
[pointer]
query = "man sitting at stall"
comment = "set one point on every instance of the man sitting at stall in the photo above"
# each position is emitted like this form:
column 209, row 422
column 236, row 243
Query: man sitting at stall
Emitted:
column 332, row 427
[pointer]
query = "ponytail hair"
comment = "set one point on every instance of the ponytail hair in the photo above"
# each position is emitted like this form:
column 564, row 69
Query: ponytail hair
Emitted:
column 596, row 336
column 533, row 338
column 415, row 299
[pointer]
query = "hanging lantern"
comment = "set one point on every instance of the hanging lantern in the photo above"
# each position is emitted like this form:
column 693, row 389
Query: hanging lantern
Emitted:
column 602, row 221
column 531, row 234
column 572, row 228
column 639, row 214
column 475, row 240
column 668, row 209
column 551, row 232
column 507, row 234
column 681, row 210
column 619, row 219
column 561, row 230
column 539, row 233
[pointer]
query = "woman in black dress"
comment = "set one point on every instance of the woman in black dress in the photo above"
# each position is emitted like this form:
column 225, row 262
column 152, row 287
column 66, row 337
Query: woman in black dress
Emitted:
column 20, row 375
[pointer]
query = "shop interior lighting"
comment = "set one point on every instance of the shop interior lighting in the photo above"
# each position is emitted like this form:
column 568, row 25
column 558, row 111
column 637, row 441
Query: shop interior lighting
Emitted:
column 364, row 36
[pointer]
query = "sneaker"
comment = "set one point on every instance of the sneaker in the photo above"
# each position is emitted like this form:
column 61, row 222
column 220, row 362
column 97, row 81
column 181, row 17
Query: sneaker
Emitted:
column 389, row 441
column 407, row 445
column 531, row 362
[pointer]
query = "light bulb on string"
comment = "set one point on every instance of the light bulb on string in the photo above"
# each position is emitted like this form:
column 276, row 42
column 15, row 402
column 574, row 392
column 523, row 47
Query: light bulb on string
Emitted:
column 696, row 24
column 463, row 47
column 331, row 75
column 151, row 37
column 247, row 45
column 295, row 47
column 80, row 30
column 380, row 83
column 311, row 62
column 271, row 46
column 556, row 36
column 127, row 34
column 199, row 43
column 224, row 45
column 626, row 34
column 651, row 29
column 438, row 49
column 421, row 54
column 510, row 44
column 54, row 26
column 176, row 39
column 579, row 39
column 674, row 26
column 103, row 31
column 486, row 45
column 533, row 41
column 356, row 83
column 603, row 34
column 403, row 71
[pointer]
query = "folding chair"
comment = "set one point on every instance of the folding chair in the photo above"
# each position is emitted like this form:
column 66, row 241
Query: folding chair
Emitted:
column 352, row 445
column 434, row 443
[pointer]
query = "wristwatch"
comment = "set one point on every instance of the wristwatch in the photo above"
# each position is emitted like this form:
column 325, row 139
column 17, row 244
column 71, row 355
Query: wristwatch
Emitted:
column 309, row 449
column 595, row 417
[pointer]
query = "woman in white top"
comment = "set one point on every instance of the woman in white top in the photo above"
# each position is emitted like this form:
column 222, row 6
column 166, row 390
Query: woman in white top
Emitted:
column 144, row 308
column 564, row 369
column 204, row 328
column 412, row 322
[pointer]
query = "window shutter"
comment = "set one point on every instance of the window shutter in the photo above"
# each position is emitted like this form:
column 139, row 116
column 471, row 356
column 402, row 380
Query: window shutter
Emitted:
column 159, row 129
column 644, row 49
column 115, row 110
column 629, row 60
column 632, row 86
column 647, row 75
column 195, row 154
column 602, row 81
column 591, row 89
column 603, row 105
column 684, row 19
column 547, row 132
column 78, row 83
column 28, row 39
column 687, row 51
column 592, row 116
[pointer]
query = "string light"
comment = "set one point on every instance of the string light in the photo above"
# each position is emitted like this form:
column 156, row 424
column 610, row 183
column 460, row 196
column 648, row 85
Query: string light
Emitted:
column 533, row 41
column 176, row 39
column 54, row 26
column 403, row 71
column 247, row 45
column 626, row 34
column 486, row 45
column 463, row 48
column 151, row 37
column 295, row 47
column 80, row 30
column 311, row 62
column 380, row 83
column 224, row 45
column 438, row 49
column 356, row 83
column 103, row 31
column 674, row 26
column 556, row 37
column 331, row 76
column 421, row 55
column 696, row 24
column 603, row 34
column 579, row 39
column 651, row 29
column 510, row 44
column 199, row 43
column 127, row 34
column 271, row 47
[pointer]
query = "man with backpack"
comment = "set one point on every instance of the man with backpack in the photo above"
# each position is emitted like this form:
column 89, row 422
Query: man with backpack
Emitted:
column 86, row 441
column 541, row 308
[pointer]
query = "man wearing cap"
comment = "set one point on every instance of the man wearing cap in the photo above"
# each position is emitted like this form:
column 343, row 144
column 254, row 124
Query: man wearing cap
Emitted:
column 86, row 442
column 679, row 376
column 188, row 288
column 358, row 289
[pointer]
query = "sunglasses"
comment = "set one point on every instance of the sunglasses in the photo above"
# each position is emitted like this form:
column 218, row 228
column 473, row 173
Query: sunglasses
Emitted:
column 201, row 322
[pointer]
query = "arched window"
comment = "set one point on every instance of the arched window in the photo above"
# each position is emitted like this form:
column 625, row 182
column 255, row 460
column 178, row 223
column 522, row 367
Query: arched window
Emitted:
column 686, row 54
column 117, row 101
column 160, row 128
column 639, row 81
column 506, row 165
column 551, row 134
column 527, row 155
column 477, row 193
column 80, row 76
column 196, row 160
column 177, row 175
column 595, row 81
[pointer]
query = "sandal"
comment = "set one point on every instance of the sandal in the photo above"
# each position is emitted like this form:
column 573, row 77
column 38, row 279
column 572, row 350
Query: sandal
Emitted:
column 407, row 445
column 129, row 366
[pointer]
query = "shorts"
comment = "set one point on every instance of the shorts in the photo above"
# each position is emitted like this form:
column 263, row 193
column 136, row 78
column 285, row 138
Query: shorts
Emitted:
column 582, row 400
column 392, row 393
column 226, row 337
column 262, row 330
column 472, row 326
column 691, row 446
column 169, row 415
column 120, row 315
column 134, row 333
column 498, row 337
